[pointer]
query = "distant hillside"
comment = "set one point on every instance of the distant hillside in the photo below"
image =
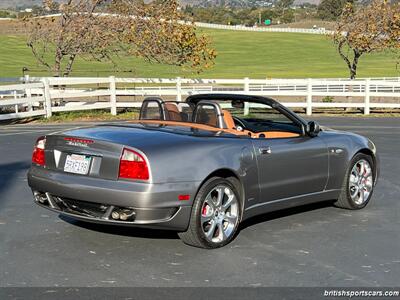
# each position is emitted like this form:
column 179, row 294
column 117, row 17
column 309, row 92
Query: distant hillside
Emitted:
column 30, row 3
column 19, row 3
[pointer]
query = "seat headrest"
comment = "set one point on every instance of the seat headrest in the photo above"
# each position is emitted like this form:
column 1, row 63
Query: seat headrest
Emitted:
column 173, row 111
column 206, row 114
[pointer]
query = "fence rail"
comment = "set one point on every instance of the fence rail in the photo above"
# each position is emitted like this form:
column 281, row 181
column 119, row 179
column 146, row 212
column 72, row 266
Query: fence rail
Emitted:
column 264, row 29
column 229, row 27
column 45, row 95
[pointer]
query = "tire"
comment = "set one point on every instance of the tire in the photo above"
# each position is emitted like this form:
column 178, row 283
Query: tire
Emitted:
column 215, row 216
column 353, row 186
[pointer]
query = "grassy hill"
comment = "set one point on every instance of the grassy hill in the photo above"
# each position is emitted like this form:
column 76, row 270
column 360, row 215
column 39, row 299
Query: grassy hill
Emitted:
column 240, row 54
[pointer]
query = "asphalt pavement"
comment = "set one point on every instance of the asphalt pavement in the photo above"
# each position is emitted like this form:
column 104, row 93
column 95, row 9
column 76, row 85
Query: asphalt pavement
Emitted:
column 317, row 245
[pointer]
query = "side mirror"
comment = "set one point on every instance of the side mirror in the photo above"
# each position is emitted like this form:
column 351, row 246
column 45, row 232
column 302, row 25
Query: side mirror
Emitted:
column 313, row 128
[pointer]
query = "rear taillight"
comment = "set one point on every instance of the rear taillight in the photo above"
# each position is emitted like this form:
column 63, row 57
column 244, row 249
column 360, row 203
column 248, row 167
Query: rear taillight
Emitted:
column 38, row 156
column 133, row 166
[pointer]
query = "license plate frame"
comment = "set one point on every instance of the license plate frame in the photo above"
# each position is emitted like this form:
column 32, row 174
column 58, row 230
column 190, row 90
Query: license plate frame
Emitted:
column 77, row 164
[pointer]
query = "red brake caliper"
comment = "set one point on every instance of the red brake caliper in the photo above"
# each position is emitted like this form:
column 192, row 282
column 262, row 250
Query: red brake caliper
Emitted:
column 204, row 211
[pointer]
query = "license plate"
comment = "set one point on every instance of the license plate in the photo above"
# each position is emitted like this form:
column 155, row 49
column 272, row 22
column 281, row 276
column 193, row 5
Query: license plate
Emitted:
column 77, row 164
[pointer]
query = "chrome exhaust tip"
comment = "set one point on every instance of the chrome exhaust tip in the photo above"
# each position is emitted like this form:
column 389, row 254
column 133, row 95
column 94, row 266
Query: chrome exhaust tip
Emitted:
column 41, row 198
column 115, row 215
column 123, row 214
column 127, row 214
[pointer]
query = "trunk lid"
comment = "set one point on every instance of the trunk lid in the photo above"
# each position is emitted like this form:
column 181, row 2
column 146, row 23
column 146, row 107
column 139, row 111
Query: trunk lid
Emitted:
column 101, row 147
column 99, row 158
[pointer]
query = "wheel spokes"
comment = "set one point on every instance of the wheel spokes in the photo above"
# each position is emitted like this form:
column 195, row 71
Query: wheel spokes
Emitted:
column 353, row 178
column 209, row 200
column 220, row 214
column 361, row 182
column 230, row 219
column 211, row 230
column 205, row 218
column 368, row 184
column 368, row 171
column 220, row 196
column 360, row 199
column 354, row 191
column 360, row 169
column 221, row 232
column 228, row 202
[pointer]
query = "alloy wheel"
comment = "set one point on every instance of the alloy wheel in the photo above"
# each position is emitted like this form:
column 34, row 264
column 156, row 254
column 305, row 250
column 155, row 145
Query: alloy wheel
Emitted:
column 219, row 214
column 360, row 182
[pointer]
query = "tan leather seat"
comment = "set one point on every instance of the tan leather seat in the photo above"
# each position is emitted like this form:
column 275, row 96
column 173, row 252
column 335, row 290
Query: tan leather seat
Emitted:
column 173, row 112
column 229, row 122
column 206, row 116
column 230, row 125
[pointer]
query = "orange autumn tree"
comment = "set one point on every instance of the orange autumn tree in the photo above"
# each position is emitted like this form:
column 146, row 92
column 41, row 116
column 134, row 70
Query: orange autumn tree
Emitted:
column 103, row 30
column 366, row 29
column 158, row 34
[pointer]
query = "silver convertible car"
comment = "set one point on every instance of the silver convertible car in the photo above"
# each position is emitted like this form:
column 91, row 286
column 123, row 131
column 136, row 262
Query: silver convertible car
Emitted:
column 201, row 167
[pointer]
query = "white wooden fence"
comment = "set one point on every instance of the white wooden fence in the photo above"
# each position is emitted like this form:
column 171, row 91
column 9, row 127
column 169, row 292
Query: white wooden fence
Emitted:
column 264, row 29
column 233, row 27
column 44, row 96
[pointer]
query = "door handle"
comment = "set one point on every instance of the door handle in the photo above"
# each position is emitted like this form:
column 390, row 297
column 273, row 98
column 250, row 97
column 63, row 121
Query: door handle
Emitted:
column 266, row 150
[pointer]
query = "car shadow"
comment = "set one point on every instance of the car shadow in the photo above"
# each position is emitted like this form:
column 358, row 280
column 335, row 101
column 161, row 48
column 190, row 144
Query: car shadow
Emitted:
column 8, row 174
column 284, row 213
column 138, row 232
column 167, row 234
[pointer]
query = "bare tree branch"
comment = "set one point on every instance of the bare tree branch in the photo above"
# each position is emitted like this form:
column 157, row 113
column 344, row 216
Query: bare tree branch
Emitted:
column 152, row 31
column 366, row 29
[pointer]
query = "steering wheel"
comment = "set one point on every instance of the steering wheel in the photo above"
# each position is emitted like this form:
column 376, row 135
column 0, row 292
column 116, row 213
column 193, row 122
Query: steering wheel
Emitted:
column 239, row 123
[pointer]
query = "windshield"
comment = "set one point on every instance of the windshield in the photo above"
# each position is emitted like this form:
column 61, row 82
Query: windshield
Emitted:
column 258, row 117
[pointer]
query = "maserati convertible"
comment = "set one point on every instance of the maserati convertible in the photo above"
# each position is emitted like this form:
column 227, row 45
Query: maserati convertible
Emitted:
column 201, row 167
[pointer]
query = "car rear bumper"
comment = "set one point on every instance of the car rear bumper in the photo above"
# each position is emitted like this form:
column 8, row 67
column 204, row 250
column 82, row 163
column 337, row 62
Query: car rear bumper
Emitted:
column 94, row 199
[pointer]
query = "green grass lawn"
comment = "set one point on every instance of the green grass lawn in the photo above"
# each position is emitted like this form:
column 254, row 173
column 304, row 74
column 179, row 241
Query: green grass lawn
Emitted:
column 240, row 54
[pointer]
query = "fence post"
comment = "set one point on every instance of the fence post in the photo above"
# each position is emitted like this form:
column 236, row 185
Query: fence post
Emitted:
column 179, row 89
column 367, row 97
column 47, row 97
column 246, row 91
column 15, row 98
column 28, row 92
column 113, row 96
column 309, row 97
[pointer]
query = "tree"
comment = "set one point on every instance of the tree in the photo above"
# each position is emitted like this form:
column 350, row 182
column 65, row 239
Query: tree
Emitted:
column 284, row 4
column 103, row 30
column 57, row 41
column 157, row 34
column 368, row 29
column 332, row 9
column 287, row 16
column 7, row 14
column 285, row 12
